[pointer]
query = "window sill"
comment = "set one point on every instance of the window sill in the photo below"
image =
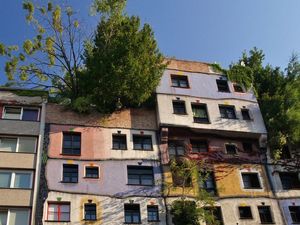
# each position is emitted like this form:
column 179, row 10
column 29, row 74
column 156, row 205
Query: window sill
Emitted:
column 66, row 154
column 180, row 114
column 224, row 91
column 119, row 149
column 144, row 185
column 255, row 188
column 32, row 153
column 21, row 120
column 180, row 87
column 57, row 221
column 13, row 188
column 203, row 122
column 229, row 118
column 92, row 178
column 65, row 182
column 244, row 218
column 153, row 221
column 148, row 150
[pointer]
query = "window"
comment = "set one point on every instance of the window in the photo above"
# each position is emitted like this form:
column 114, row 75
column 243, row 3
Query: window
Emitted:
column 119, row 141
column 285, row 153
column 199, row 146
column 141, row 142
column 176, row 148
column 247, row 146
column 222, row 85
column 21, row 113
column 246, row 114
column 152, row 211
column 207, row 181
column 179, row 107
column 183, row 178
column 14, row 216
column 231, row 149
column 179, row 81
column 59, row 212
column 227, row 112
column 70, row 173
column 265, row 214
column 15, row 144
column 245, row 212
column 200, row 113
column 91, row 172
column 289, row 180
column 217, row 213
column 251, row 180
column 90, row 212
column 71, row 143
column 238, row 88
column 132, row 213
column 15, row 179
column 140, row 175
column 295, row 213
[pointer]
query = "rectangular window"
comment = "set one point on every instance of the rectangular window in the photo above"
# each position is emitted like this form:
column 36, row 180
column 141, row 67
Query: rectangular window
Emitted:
column 119, row 141
column 199, row 146
column 179, row 81
column 247, row 146
column 30, row 114
column 227, row 111
column 59, row 212
column 251, row 181
column 182, row 178
column 179, row 107
column 289, row 180
column 176, row 148
column 231, row 149
column 295, row 213
column 71, row 144
column 132, row 213
column 265, row 214
column 70, row 173
column 90, row 212
column 140, row 175
column 152, row 211
column 217, row 214
column 245, row 212
column 238, row 88
column 16, row 179
column 246, row 114
column 142, row 142
column 21, row 113
column 207, row 181
column 92, row 172
column 200, row 113
column 14, row 216
column 8, row 144
column 15, row 144
column 222, row 85
column 12, row 113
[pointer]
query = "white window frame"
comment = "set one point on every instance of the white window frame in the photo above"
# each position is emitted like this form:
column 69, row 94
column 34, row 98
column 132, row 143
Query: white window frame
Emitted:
column 13, row 176
column 17, row 209
column 18, row 140
column 21, row 114
column 262, row 187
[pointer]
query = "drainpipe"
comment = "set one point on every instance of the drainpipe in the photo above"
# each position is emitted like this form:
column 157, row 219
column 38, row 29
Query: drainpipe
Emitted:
column 38, row 163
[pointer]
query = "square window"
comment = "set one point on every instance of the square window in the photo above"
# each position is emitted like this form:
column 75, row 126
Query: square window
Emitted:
column 176, row 148
column 30, row 114
column 140, row 175
column 289, row 180
column 222, row 85
column 246, row 114
column 12, row 113
column 295, row 213
column 247, row 146
column 207, row 181
column 238, row 88
column 59, row 212
column 200, row 113
column 132, row 213
column 251, row 181
column 227, row 111
column 71, row 144
column 27, row 144
column 90, row 212
column 199, row 146
column 152, row 211
column 70, row 173
column 119, row 141
column 142, row 142
column 92, row 172
column 8, row 144
column 231, row 149
column 265, row 214
column 179, row 107
column 179, row 81
column 245, row 212
column 217, row 214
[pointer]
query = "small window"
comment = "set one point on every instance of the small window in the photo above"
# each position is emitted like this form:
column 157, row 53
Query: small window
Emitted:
column 15, row 179
column 90, row 212
column 245, row 212
column 179, row 107
column 238, row 88
column 199, row 146
column 152, row 211
column 207, row 181
column 251, row 181
column 70, row 173
column 58, row 212
column 119, row 141
column 217, row 213
column 91, row 172
column 289, row 180
column 142, row 142
column 231, row 149
column 12, row 113
column 179, row 81
column 176, row 148
column 247, row 146
column 140, row 175
column 265, row 214
column 295, row 213
column 71, row 143
column 227, row 111
column 30, row 114
column 132, row 213
column 222, row 85
column 14, row 216
column 200, row 113
column 246, row 114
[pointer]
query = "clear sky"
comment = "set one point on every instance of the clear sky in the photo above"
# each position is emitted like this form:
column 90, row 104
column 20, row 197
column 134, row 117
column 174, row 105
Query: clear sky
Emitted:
column 204, row 30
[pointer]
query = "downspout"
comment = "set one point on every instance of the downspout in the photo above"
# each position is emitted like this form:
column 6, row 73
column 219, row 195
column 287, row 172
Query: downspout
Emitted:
column 38, row 163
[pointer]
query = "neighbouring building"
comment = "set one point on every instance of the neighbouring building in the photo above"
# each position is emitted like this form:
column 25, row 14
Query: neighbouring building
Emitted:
column 22, row 120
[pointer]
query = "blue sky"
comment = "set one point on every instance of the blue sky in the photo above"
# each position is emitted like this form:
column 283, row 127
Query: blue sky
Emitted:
column 204, row 30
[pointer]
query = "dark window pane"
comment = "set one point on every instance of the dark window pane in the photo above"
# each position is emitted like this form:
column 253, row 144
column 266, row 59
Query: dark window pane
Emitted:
column 245, row 212
column 285, row 153
column 222, row 85
column 140, row 175
column 295, row 213
column 251, row 180
column 200, row 113
column 119, row 142
column 289, row 180
column 179, row 107
column 227, row 112
column 176, row 148
column 152, row 211
column 231, row 149
column 92, row 172
column 70, row 173
column 199, row 146
column 30, row 114
column 217, row 214
column 71, row 144
column 238, row 88
column 207, row 181
column 90, row 212
column 179, row 81
column 246, row 114
column 132, row 213
column 265, row 214
column 141, row 142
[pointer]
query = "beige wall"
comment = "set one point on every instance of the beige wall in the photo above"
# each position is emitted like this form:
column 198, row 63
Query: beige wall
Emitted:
column 15, row 197
column 17, row 160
